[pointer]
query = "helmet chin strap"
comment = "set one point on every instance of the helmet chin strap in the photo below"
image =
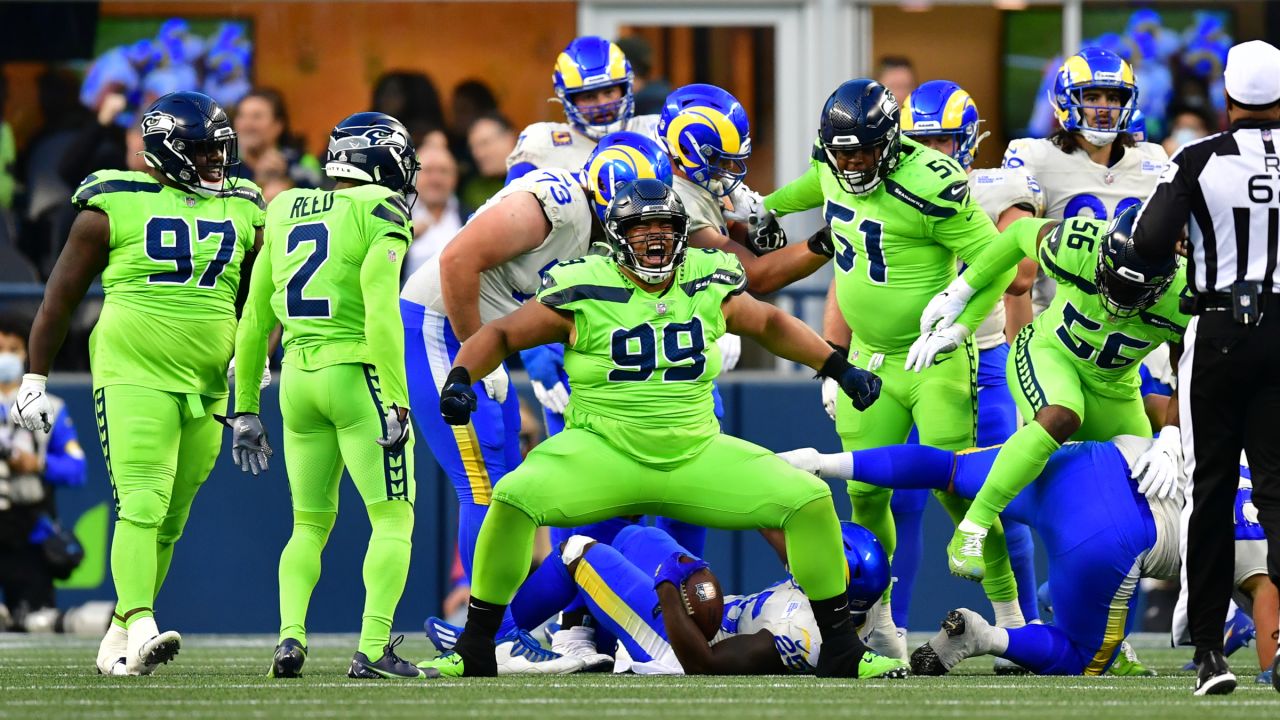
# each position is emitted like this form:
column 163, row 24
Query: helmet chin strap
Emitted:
column 1098, row 138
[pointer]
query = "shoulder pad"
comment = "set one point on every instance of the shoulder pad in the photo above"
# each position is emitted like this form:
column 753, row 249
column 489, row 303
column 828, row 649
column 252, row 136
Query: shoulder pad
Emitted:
column 1023, row 151
column 248, row 190
column 105, row 182
column 590, row 277
column 711, row 268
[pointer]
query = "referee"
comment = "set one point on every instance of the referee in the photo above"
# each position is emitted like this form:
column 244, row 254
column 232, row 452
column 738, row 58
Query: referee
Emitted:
column 1228, row 187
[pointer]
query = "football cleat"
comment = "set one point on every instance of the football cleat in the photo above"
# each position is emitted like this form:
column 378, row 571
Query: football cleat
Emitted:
column 962, row 636
column 449, row 665
column 1214, row 677
column 443, row 635
column 1005, row 666
column 389, row 666
column 1238, row 632
column 874, row 665
column 289, row 659
column 964, row 552
column 112, row 651
column 154, row 652
column 1265, row 677
column 1127, row 663
column 519, row 654
column 580, row 642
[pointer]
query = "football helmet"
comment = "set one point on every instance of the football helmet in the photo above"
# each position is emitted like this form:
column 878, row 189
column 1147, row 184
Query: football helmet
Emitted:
column 645, row 200
column 860, row 114
column 1127, row 283
column 1091, row 68
column 620, row 158
column 708, row 135
column 188, row 137
column 941, row 107
column 869, row 572
column 593, row 63
column 373, row 147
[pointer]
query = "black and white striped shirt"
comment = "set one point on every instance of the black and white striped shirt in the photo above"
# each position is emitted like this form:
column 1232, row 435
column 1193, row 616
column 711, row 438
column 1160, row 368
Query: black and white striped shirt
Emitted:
column 1228, row 187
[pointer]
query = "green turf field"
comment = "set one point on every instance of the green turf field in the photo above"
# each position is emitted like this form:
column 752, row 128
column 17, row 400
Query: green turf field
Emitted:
column 223, row 677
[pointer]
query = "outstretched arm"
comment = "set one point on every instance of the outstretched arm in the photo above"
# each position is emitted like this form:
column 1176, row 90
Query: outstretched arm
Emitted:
column 765, row 273
column 532, row 325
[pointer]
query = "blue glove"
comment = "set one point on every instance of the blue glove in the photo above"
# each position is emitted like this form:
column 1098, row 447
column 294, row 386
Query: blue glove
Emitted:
column 675, row 572
column 457, row 398
column 544, row 363
column 863, row 386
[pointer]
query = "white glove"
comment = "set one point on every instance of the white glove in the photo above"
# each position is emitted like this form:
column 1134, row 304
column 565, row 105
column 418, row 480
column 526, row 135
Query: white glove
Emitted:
column 555, row 399
column 806, row 459
column 263, row 384
column 926, row 349
column 496, row 384
column 946, row 306
column 1159, row 469
column 764, row 235
column 830, row 395
column 32, row 409
column 730, row 351
column 747, row 203
column 398, row 429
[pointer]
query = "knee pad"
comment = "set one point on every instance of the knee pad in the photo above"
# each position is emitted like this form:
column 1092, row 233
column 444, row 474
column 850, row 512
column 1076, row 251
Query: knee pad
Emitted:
column 144, row 508
column 574, row 547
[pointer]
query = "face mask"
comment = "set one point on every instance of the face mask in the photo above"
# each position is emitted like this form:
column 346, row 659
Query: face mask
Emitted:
column 1184, row 135
column 10, row 367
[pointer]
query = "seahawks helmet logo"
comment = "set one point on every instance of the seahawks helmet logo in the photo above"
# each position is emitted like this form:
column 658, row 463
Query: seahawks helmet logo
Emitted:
column 371, row 137
column 158, row 123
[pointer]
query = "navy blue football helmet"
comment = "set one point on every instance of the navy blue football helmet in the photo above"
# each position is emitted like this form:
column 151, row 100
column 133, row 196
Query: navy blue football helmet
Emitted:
column 869, row 572
column 373, row 147
column 860, row 115
column 646, row 200
column 1127, row 283
column 187, row 136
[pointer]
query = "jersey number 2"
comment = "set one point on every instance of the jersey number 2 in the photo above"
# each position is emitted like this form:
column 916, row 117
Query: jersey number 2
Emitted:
column 297, row 305
column 178, row 249
column 635, row 352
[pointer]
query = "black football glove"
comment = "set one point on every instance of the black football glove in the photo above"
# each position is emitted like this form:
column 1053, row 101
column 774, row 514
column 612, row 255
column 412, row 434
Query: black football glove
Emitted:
column 820, row 243
column 457, row 398
column 764, row 235
column 249, row 448
column 862, row 386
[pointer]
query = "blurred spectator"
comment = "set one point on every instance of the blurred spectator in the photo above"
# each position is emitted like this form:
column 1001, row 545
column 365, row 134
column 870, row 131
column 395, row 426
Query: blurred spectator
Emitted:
column 1187, row 124
column 98, row 145
column 269, row 155
column 34, row 548
column 491, row 140
column 650, row 92
column 48, row 211
column 411, row 98
column 8, row 154
column 437, row 214
column 471, row 100
column 897, row 73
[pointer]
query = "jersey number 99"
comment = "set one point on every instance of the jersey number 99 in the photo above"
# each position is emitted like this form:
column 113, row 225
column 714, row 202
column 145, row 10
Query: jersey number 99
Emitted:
column 635, row 352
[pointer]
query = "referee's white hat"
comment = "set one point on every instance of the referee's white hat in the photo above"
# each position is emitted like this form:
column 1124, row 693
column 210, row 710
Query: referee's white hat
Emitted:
column 1252, row 76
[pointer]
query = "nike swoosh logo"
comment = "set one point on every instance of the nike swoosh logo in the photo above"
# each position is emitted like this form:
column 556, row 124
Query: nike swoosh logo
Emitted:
column 939, row 361
column 957, row 563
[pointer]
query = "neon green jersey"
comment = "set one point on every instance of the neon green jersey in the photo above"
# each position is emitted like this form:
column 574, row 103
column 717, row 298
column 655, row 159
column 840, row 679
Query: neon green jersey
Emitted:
column 329, row 272
column 173, row 271
column 642, row 364
column 896, row 246
column 1109, row 349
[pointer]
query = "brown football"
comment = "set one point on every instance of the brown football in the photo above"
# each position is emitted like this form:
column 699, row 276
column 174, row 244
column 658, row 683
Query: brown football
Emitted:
column 704, row 601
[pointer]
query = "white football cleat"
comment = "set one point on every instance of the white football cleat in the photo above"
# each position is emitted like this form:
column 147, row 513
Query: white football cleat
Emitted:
column 580, row 642
column 112, row 651
column 964, row 634
column 886, row 638
column 149, row 648
column 520, row 654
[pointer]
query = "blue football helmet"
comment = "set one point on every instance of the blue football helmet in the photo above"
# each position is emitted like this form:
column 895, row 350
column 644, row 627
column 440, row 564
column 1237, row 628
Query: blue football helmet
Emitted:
column 188, row 137
column 643, row 201
column 1138, row 126
column 620, row 158
column 941, row 107
column 373, row 147
column 1127, row 283
column 860, row 114
column 1088, row 69
column 593, row 63
column 869, row 571
column 708, row 135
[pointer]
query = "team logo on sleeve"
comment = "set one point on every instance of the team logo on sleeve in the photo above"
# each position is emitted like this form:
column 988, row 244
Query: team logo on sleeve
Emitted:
column 561, row 137
column 391, row 255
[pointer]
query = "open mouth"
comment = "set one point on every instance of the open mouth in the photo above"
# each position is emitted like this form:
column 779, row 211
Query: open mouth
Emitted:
column 655, row 253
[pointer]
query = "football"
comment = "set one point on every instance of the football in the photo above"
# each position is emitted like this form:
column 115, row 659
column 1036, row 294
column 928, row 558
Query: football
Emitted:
column 703, row 601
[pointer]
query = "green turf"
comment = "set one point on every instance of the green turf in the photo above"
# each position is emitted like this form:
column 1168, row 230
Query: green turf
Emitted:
column 224, row 677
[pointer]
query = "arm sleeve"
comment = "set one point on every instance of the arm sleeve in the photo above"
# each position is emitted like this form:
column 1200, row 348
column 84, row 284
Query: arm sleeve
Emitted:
column 1018, row 241
column 256, row 323
column 64, row 459
column 969, row 233
column 803, row 193
column 1165, row 213
column 380, row 286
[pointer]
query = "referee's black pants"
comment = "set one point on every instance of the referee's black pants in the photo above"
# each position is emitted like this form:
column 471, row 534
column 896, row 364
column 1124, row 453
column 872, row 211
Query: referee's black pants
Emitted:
column 1229, row 399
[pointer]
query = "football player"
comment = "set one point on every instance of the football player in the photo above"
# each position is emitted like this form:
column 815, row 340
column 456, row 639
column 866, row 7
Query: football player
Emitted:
column 171, row 244
column 899, row 213
column 1092, row 166
column 640, row 326
column 769, row 632
column 1074, row 371
column 330, row 275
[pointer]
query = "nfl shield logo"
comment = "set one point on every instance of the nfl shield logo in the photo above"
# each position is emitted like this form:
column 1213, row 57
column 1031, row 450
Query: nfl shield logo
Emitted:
column 662, row 308
column 191, row 202
column 391, row 255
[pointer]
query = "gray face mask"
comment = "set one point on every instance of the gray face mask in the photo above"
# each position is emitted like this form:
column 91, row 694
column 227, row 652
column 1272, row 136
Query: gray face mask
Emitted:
column 11, row 367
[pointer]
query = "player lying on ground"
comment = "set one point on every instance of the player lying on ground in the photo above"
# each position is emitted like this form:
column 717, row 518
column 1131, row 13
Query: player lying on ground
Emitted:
column 1075, row 368
column 769, row 632
column 170, row 244
column 640, row 327
column 1100, row 533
